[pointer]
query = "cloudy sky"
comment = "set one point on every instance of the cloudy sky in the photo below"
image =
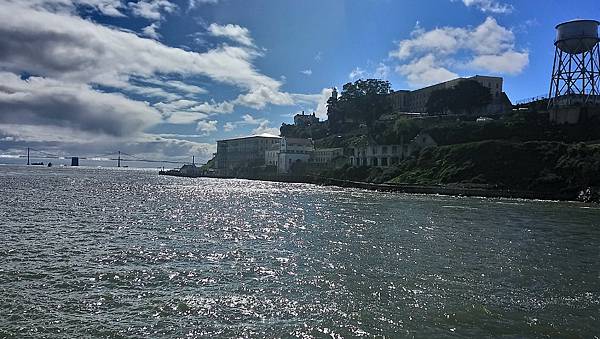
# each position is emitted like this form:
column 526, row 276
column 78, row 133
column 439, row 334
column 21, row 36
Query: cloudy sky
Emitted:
column 164, row 79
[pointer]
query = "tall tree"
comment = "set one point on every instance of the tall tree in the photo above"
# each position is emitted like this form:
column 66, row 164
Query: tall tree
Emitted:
column 365, row 100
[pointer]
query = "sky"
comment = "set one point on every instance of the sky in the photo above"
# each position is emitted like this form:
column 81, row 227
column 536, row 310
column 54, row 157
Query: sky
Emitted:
column 165, row 79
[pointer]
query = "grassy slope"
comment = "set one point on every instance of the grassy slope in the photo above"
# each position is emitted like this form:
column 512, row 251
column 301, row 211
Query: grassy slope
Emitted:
column 536, row 165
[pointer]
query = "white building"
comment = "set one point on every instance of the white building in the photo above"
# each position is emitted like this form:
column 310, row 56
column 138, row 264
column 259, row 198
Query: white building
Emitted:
column 293, row 151
column 416, row 101
column 388, row 155
column 325, row 157
column 233, row 154
column 190, row 170
column 272, row 156
column 287, row 152
column 377, row 155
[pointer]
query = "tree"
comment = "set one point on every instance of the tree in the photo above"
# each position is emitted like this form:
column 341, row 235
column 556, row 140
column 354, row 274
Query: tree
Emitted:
column 466, row 96
column 365, row 100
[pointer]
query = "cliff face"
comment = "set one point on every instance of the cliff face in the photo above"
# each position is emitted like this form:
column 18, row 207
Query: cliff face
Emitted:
column 537, row 166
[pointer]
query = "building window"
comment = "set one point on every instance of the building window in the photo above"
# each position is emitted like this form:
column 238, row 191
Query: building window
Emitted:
column 384, row 149
column 394, row 149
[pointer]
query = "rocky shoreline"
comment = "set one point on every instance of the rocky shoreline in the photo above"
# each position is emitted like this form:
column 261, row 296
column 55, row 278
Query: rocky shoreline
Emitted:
column 587, row 195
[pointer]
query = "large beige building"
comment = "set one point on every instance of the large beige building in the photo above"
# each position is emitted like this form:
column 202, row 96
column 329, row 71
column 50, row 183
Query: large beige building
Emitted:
column 243, row 152
column 416, row 101
column 388, row 155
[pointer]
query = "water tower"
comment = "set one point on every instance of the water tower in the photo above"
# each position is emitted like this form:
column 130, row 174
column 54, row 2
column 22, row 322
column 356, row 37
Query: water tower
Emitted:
column 576, row 72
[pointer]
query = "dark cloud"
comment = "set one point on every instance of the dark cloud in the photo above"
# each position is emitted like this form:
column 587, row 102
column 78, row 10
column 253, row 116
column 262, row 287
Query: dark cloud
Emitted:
column 39, row 101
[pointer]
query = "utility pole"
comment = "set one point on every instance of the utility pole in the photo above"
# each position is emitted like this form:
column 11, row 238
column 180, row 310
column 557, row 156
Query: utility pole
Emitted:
column 119, row 160
column 28, row 156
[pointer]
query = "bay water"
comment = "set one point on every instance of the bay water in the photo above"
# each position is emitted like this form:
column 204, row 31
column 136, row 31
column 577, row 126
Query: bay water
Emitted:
column 125, row 253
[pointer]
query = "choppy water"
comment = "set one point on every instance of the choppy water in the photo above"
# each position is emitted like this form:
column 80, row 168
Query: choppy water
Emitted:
column 120, row 254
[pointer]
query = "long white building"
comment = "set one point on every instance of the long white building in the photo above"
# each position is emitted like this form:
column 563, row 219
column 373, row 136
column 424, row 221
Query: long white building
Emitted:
column 416, row 101
column 243, row 152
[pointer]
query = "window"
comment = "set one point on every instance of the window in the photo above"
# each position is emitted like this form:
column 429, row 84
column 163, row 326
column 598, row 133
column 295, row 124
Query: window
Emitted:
column 384, row 150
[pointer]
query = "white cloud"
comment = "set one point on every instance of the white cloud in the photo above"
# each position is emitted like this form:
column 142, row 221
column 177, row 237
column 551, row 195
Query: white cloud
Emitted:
column 184, row 118
column 382, row 71
column 306, row 72
column 428, row 55
column 262, row 125
column 229, row 126
column 187, row 111
column 234, row 32
column 106, row 7
column 264, row 128
column 150, row 92
column 259, row 97
column 78, row 62
column 321, row 110
column 445, row 40
column 250, row 120
column 150, row 31
column 194, row 3
column 356, row 73
column 490, row 6
column 207, row 126
column 75, row 49
column 152, row 9
column 509, row 62
column 213, row 107
column 176, row 85
column 425, row 71
column 315, row 102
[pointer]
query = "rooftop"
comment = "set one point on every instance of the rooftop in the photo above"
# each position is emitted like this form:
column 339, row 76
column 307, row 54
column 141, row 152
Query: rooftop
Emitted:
column 263, row 135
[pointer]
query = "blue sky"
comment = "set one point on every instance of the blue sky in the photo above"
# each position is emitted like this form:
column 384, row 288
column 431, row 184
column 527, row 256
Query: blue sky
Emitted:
column 166, row 78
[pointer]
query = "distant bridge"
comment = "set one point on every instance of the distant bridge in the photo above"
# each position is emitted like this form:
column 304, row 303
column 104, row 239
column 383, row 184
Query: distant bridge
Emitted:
column 117, row 156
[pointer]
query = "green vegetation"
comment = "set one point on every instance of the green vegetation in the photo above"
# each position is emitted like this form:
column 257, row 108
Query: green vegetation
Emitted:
column 316, row 131
column 536, row 165
column 363, row 101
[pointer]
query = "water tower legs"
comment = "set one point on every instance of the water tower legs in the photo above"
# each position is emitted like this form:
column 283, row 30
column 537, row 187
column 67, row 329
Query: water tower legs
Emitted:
column 575, row 84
